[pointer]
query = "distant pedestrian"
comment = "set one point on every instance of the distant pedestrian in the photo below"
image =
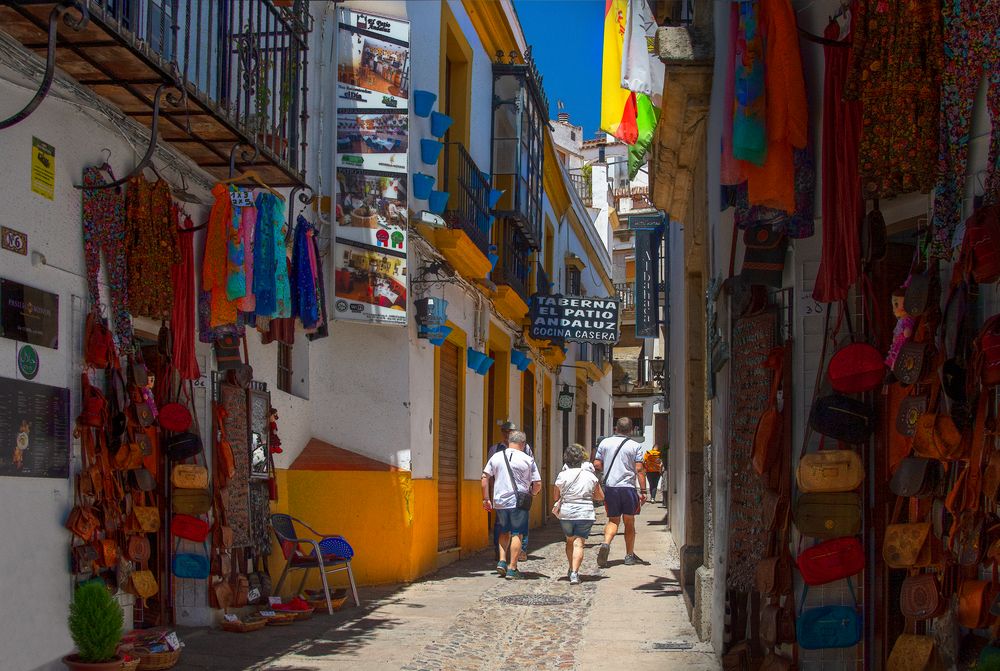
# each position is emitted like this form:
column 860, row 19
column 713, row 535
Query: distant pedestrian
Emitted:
column 505, row 431
column 652, row 462
column 574, row 493
column 620, row 458
column 514, row 476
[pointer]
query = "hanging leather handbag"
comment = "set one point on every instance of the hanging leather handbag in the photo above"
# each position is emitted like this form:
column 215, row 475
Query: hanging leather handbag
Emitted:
column 191, row 501
column 142, row 583
column 974, row 600
column 143, row 518
column 915, row 477
column 183, row 446
column 920, row 597
column 831, row 560
column 98, row 343
column 856, row 368
column 190, row 565
column 909, row 365
column 107, row 552
column 911, row 409
column 775, row 662
column 967, row 540
column 137, row 548
column 773, row 576
column 828, row 627
column 174, row 417
column 986, row 352
column 189, row 476
column 128, row 457
column 83, row 522
column 980, row 255
column 739, row 657
column 829, row 471
column 764, row 257
column 189, row 528
column 775, row 509
column 828, row 515
column 918, row 292
column 907, row 545
column 937, row 437
column 777, row 625
column 842, row 418
column 767, row 440
column 144, row 480
column 227, row 352
column 94, row 406
column 912, row 652
column 84, row 558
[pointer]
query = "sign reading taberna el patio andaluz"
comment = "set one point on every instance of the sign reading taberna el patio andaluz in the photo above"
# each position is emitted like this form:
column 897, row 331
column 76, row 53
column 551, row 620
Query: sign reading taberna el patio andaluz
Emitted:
column 574, row 319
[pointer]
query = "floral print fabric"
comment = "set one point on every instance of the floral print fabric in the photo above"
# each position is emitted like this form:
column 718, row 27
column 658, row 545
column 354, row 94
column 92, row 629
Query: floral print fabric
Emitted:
column 896, row 74
column 151, row 247
column 971, row 52
column 104, row 230
column 271, row 286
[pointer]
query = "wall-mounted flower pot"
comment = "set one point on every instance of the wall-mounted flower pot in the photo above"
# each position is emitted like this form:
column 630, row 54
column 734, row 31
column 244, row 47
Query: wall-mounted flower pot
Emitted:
column 495, row 197
column 423, row 101
column 493, row 256
column 519, row 359
column 475, row 359
column 440, row 123
column 422, row 185
column 437, row 201
column 442, row 334
column 485, row 366
column 431, row 310
column 430, row 150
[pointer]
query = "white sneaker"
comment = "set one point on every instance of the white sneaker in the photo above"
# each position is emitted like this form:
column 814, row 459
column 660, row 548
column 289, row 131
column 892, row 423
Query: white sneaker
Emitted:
column 574, row 578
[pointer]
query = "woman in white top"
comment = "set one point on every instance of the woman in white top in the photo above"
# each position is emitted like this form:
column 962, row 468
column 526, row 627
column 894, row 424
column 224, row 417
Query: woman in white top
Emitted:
column 575, row 491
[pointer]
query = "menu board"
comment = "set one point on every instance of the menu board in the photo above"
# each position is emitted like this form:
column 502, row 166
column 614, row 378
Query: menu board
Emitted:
column 35, row 434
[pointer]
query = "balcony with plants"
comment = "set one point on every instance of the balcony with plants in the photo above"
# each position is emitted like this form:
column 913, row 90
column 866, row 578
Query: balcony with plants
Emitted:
column 220, row 80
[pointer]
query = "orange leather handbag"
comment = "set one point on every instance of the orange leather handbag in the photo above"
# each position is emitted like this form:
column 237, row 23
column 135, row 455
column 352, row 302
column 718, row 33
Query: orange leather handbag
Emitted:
column 768, row 438
column 974, row 598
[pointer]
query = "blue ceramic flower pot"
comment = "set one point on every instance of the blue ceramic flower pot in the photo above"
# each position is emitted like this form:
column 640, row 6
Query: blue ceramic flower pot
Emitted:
column 495, row 197
column 485, row 366
column 437, row 201
column 440, row 123
column 422, row 185
column 475, row 359
column 422, row 102
column 442, row 334
column 430, row 150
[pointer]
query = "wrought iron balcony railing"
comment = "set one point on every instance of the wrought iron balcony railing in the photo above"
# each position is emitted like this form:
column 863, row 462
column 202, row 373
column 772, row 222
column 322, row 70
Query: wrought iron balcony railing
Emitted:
column 515, row 264
column 241, row 63
column 582, row 184
column 468, row 202
column 626, row 296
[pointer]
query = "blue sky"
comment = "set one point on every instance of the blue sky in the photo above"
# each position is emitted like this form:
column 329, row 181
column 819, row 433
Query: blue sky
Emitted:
column 566, row 39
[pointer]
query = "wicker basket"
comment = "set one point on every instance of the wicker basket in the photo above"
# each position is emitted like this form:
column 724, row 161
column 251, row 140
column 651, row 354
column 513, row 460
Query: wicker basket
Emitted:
column 302, row 614
column 245, row 626
column 156, row 661
column 319, row 605
column 131, row 664
column 280, row 619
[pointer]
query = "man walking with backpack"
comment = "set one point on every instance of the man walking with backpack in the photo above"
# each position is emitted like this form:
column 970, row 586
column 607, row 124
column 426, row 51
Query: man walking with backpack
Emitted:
column 620, row 458
column 515, row 482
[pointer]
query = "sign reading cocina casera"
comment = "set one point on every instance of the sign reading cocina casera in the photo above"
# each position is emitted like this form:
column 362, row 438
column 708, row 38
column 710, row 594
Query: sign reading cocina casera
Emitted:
column 574, row 319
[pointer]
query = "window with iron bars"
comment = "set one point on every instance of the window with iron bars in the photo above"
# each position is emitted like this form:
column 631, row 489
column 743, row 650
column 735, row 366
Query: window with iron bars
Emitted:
column 573, row 282
column 285, row 367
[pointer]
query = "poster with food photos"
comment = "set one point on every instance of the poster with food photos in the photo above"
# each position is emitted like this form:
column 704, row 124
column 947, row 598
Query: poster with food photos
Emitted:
column 370, row 235
column 35, row 431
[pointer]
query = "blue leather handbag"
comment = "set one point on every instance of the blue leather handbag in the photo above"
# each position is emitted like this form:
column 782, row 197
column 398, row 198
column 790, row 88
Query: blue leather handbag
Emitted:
column 190, row 565
column 828, row 626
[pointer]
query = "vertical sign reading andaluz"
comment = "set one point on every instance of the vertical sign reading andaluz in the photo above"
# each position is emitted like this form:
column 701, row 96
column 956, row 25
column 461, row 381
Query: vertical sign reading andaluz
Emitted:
column 647, row 282
column 370, row 241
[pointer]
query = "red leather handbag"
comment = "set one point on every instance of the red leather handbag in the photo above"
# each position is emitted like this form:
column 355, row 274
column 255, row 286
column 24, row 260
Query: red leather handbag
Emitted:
column 98, row 343
column 856, row 368
column 189, row 528
column 95, row 406
column 174, row 417
column 831, row 560
column 981, row 245
column 987, row 352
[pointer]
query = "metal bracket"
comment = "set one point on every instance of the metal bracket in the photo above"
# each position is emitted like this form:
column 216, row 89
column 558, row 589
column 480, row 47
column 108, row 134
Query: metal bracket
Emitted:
column 244, row 154
column 58, row 12
column 154, row 132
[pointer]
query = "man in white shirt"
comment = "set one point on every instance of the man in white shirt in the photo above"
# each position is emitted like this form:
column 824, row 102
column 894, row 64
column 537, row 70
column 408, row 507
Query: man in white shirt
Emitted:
column 505, row 430
column 513, row 472
column 620, row 458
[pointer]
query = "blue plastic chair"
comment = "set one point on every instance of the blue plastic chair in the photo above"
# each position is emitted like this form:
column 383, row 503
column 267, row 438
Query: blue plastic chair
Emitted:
column 330, row 554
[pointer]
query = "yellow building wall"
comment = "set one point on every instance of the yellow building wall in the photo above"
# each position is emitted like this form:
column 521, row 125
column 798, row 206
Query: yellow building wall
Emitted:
column 474, row 531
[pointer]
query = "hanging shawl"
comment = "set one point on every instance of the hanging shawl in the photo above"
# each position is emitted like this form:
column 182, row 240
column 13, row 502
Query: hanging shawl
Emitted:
column 183, row 315
column 220, row 310
column 270, row 277
column 305, row 302
column 322, row 329
column 749, row 134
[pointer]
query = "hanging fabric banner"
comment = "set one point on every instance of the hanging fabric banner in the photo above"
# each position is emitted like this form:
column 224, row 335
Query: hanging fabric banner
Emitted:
column 647, row 280
column 370, row 241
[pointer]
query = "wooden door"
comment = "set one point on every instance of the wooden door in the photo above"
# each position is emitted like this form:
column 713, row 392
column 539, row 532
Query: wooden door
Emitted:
column 448, row 446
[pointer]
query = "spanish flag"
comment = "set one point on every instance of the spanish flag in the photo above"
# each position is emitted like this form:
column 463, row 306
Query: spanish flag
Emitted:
column 618, row 105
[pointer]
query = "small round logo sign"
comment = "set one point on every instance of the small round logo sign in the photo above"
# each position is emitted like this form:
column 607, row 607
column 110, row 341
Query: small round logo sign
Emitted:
column 27, row 362
column 565, row 401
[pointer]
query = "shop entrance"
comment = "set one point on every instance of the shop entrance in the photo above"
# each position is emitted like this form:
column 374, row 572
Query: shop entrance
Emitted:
column 448, row 447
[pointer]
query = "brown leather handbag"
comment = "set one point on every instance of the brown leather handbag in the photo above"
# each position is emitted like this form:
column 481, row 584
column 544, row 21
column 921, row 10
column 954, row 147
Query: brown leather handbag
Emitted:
column 920, row 597
column 935, row 435
column 830, row 471
column 137, row 548
column 967, row 540
column 912, row 652
column 910, row 410
column 974, row 599
column 773, row 576
column 777, row 625
column 822, row 515
column 83, row 522
column 909, row 365
column 768, row 437
column 915, row 477
column 774, row 662
column 907, row 545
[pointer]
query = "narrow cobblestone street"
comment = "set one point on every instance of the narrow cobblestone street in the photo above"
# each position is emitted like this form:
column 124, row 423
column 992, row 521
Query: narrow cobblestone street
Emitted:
column 466, row 618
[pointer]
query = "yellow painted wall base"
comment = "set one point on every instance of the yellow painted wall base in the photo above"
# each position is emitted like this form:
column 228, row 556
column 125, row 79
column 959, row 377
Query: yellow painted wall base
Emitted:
column 388, row 518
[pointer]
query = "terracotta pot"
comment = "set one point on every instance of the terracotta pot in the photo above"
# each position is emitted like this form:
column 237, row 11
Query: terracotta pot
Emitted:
column 74, row 664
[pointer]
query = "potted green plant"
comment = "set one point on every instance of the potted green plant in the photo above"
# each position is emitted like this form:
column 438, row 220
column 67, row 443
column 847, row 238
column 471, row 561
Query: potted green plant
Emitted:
column 95, row 624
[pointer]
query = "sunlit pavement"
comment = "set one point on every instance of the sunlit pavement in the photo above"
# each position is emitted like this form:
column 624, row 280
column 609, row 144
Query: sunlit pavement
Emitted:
column 464, row 617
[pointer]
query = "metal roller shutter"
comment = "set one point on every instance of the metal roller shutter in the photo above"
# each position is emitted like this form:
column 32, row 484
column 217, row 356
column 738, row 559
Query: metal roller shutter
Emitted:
column 448, row 447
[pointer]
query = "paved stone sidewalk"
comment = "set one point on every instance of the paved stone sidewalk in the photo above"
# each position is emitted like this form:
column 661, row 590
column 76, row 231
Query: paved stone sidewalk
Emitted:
column 465, row 618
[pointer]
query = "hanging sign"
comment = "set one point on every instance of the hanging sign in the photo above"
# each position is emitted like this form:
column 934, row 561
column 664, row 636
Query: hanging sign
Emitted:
column 647, row 282
column 574, row 319
column 373, row 82
column 565, row 402
column 43, row 168
column 28, row 314
column 35, row 435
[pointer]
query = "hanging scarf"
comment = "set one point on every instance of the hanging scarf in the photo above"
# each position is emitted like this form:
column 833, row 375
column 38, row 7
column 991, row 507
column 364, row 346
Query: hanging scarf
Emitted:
column 236, row 279
column 305, row 303
column 322, row 329
column 182, row 317
column 270, row 277
column 749, row 134
column 220, row 310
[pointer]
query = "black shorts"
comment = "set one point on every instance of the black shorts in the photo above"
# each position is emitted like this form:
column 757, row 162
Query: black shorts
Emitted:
column 620, row 501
